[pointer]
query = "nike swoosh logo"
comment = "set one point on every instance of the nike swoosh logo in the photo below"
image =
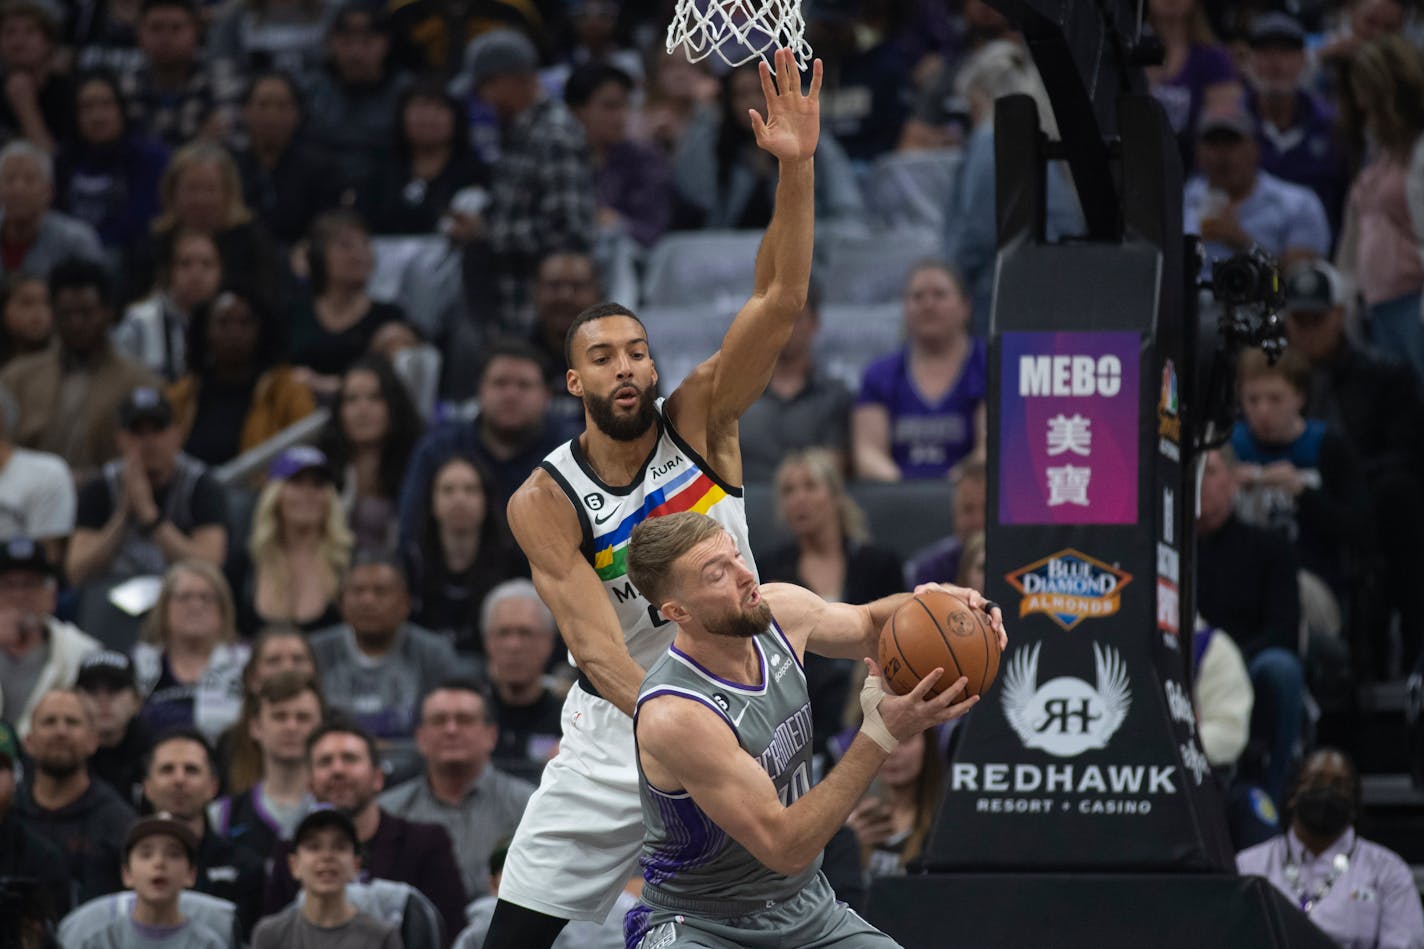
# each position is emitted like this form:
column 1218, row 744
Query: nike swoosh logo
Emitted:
column 600, row 520
column 738, row 720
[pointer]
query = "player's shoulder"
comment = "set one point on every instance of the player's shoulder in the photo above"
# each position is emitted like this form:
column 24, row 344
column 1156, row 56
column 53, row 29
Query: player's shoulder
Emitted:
column 677, row 715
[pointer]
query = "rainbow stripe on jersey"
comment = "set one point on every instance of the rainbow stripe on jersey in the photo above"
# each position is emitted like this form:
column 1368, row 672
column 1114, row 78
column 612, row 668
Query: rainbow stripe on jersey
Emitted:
column 690, row 491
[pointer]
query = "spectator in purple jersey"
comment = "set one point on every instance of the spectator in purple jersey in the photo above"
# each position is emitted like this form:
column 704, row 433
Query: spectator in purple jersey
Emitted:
column 1197, row 72
column 1295, row 128
column 920, row 410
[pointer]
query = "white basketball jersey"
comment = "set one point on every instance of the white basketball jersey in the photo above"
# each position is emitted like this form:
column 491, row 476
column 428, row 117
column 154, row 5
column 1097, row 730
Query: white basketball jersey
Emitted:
column 673, row 479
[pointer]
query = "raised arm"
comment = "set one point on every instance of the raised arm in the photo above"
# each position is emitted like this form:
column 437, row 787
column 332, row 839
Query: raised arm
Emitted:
column 723, row 387
column 683, row 744
column 547, row 529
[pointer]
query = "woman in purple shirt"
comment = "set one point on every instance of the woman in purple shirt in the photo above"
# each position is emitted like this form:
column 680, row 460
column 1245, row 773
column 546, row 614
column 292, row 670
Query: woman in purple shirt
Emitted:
column 920, row 410
column 1196, row 73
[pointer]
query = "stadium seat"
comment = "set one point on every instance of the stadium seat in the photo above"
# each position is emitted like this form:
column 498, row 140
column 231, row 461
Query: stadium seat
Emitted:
column 851, row 336
column 871, row 269
column 701, row 267
column 217, row 914
column 912, row 189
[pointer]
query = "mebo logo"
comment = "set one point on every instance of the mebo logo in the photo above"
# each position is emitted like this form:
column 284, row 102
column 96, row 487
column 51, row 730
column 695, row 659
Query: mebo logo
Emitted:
column 1069, row 586
column 1070, row 376
column 1066, row 716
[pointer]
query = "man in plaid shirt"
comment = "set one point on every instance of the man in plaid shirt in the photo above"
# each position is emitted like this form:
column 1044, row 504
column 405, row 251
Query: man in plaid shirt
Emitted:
column 543, row 190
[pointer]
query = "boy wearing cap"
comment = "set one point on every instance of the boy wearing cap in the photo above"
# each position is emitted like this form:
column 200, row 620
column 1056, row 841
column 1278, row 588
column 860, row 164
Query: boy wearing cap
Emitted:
column 324, row 860
column 150, row 507
column 159, row 864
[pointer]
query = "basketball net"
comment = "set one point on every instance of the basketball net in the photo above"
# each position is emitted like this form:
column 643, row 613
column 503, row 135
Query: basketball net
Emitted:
column 739, row 31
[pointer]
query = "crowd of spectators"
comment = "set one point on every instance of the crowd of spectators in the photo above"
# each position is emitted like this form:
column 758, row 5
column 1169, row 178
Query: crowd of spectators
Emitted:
column 207, row 617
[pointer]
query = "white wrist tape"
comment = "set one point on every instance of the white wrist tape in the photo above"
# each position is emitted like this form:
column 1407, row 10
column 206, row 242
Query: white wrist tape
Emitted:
column 873, row 726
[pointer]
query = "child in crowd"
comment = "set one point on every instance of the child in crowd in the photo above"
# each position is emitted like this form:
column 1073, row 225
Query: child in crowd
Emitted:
column 160, row 862
column 324, row 858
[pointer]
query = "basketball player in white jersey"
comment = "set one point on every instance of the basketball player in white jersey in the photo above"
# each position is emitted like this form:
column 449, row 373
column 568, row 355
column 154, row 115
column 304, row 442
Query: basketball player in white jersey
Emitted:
column 639, row 457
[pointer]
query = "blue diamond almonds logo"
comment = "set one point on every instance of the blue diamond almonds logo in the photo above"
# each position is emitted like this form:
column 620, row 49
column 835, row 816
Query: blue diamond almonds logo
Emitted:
column 1069, row 586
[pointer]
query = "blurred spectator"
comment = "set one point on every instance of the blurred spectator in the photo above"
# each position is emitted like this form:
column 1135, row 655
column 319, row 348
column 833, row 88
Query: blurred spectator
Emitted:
column 26, row 321
column 519, row 638
column 256, row 35
column 189, row 664
column 633, row 179
column 594, row 40
column 36, row 489
column 154, row 331
column 723, row 180
column 677, row 90
column 171, row 94
column 287, row 709
column 431, row 35
column 326, row 853
column 346, row 774
column 1382, row 111
column 1234, row 205
column 376, row 665
column 353, row 101
column 1375, row 402
column 159, row 864
column 337, row 324
column 150, row 507
column 1323, row 866
column 1247, row 587
column 107, row 176
column 85, row 819
column 300, row 545
column 971, row 562
column 542, row 193
column 111, row 698
column 1297, row 475
column 103, row 35
column 276, row 649
column 39, row 94
column 34, row 237
column 202, row 191
column 801, row 407
column 461, row 790
column 999, row 68
column 25, row 853
column 285, row 181
column 462, row 550
column 921, row 410
column 566, row 283
column 430, row 163
column 832, row 554
column 236, row 393
column 1197, row 74
column 941, row 562
column 37, row 651
column 509, row 437
column 368, row 442
column 1364, row 21
column 82, row 380
column 1295, row 131
column 892, row 823
column 180, row 780
column 865, row 101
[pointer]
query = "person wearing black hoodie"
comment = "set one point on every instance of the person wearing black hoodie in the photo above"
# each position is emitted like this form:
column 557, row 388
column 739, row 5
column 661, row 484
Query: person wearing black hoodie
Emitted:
column 85, row 819
column 25, row 855
column 107, row 685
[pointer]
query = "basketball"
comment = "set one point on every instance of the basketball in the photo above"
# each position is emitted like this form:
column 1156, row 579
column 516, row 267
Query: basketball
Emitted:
column 936, row 629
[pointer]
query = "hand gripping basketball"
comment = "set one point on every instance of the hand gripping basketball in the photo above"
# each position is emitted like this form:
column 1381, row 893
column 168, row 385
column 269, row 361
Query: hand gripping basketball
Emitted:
column 908, row 714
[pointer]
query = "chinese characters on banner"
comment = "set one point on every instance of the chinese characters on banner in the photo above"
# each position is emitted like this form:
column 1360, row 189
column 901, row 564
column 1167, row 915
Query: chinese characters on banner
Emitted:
column 1068, row 428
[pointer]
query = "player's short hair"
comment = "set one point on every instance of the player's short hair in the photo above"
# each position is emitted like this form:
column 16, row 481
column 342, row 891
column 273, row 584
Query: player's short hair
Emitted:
column 1290, row 366
column 596, row 312
column 657, row 543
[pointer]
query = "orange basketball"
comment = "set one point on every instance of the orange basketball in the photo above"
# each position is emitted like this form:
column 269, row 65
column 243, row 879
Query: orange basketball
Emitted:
column 938, row 630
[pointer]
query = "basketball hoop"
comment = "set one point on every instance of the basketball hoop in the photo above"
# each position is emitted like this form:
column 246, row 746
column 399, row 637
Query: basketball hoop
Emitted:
column 739, row 31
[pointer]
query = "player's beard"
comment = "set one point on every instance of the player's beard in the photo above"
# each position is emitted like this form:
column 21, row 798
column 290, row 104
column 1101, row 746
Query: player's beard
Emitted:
column 626, row 428
column 743, row 624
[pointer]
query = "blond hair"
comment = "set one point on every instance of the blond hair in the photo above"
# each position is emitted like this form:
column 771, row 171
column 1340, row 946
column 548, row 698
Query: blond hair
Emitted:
column 268, row 543
column 825, row 470
column 190, row 156
column 657, row 543
column 155, row 627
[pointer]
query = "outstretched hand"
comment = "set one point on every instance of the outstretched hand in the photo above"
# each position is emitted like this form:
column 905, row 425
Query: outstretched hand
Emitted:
column 793, row 121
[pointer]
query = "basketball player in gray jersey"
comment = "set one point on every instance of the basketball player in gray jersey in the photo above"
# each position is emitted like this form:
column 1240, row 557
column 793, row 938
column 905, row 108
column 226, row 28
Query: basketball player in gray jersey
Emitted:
column 732, row 851
column 639, row 458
